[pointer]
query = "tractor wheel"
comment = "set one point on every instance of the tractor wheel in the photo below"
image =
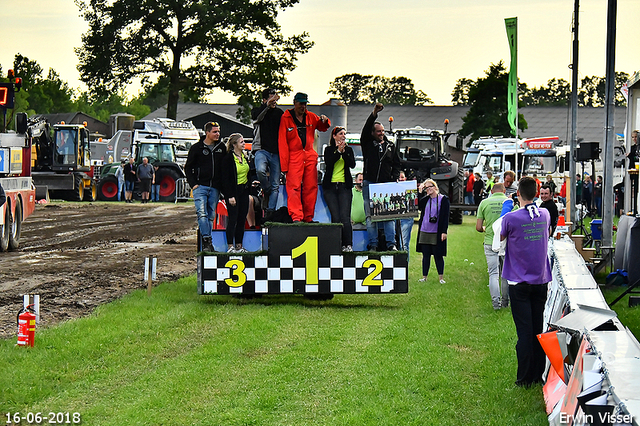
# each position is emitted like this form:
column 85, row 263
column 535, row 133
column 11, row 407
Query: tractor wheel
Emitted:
column 456, row 196
column 92, row 193
column 76, row 194
column 108, row 189
column 166, row 178
column 16, row 227
column 5, row 229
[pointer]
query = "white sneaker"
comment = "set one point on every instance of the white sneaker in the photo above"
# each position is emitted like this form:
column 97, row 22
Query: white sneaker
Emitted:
column 347, row 249
column 231, row 250
column 443, row 282
column 241, row 250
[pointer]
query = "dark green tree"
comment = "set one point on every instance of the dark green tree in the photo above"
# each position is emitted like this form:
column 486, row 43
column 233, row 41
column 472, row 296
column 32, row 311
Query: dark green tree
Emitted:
column 488, row 99
column 592, row 88
column 101, row 107
column 351, row 88
column 359, row 89
column 460, row 94
column 236, row 46
column 42, row 95
column 557, row 92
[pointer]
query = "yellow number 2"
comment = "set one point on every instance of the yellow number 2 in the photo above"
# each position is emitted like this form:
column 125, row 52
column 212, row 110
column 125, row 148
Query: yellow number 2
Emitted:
column 372, row 278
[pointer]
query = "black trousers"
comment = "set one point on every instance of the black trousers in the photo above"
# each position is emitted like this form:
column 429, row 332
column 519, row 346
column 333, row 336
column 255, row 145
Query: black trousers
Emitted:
column 428, row 251
column 527, row 310
column 237, row 215
column 338, row 198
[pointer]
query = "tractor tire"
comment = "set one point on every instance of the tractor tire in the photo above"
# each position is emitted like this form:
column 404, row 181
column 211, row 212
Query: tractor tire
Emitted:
column 76, row 194
column 456, row 196
column 16, row 227
column 108, row 189
column 167, row 178
column 5, row 229
column 91, row 194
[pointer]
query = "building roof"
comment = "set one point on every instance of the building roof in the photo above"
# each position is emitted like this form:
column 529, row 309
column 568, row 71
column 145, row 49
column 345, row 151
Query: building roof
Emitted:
column 541, row 120
column 95, row 126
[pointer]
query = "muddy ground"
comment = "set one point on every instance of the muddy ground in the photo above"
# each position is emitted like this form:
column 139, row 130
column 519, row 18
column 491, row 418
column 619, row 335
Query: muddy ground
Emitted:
column 77, row 256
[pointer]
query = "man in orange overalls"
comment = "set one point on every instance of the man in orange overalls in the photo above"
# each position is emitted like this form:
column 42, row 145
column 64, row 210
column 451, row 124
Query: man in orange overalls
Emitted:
column 298, row 159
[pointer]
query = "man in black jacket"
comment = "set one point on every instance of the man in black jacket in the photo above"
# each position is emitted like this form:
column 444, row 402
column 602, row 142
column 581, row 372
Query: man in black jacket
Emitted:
column 266, row 122
column 203, row 174
column 381, row 164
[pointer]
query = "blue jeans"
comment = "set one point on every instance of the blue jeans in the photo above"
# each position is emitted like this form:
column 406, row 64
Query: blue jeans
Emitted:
column 389, row 226
column 206, row 199
column 266, row 161
column 120, row 187
column 406, row 225
column 155, row 192
column 129, row 185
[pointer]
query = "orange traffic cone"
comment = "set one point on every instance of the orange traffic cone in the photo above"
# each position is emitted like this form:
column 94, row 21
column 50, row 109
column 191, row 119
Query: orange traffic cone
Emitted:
column 561, row 221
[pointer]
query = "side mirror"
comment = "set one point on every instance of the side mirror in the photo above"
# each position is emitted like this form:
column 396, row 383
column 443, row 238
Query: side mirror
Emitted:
column 21, row 123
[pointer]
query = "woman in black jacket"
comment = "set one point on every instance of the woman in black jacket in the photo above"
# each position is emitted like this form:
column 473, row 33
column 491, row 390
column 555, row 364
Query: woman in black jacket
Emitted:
column 234, row 176
column 433, row 226
column 337, row 183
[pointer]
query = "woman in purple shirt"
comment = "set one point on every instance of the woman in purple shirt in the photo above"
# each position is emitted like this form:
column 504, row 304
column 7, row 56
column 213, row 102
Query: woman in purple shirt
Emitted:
column 434, row 223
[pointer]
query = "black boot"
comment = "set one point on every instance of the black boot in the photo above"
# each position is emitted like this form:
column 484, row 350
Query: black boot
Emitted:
column 207, row 244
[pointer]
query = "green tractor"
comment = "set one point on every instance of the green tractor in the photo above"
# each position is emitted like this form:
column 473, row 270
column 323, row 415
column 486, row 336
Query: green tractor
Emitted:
column 140, row 144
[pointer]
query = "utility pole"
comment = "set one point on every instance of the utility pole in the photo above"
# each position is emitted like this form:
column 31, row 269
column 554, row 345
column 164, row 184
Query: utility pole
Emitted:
column 609, row 123
column 571, row 215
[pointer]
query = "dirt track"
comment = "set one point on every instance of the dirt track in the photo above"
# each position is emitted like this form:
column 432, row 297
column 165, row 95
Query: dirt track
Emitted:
column 77, row 256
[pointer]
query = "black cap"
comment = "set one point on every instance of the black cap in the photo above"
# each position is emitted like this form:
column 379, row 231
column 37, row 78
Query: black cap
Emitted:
column 268, row 92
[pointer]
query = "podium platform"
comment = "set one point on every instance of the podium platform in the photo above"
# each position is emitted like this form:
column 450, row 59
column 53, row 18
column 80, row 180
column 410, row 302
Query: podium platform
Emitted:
column 301, row 259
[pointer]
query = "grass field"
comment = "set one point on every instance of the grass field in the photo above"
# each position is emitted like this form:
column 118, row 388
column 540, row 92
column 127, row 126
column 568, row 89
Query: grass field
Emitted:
column 437, row 355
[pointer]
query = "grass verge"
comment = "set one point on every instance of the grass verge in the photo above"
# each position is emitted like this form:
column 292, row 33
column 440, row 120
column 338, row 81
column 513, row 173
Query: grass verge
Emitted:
column 437, row 355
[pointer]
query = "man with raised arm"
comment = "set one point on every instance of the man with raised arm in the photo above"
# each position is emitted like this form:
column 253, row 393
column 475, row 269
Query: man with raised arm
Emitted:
column 381, row 164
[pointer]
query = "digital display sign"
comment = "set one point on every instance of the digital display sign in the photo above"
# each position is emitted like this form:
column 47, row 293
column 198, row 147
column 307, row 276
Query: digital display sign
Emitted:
column 6, row 95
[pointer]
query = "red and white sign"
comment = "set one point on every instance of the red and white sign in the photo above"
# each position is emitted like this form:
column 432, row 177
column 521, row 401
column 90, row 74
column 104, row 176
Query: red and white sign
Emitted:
column 542, row 143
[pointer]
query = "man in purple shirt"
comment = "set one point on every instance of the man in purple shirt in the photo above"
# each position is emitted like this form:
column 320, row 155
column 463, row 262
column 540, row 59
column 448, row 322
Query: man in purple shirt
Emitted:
column 527, row 269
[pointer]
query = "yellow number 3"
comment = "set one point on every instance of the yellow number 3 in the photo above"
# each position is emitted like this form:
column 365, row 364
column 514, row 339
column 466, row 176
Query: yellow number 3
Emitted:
column 237, row 270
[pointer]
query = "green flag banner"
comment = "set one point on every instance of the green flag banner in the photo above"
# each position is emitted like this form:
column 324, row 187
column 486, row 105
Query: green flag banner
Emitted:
column 512, row 88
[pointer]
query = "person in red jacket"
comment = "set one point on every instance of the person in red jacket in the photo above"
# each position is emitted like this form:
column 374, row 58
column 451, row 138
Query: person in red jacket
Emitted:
column 298, row 159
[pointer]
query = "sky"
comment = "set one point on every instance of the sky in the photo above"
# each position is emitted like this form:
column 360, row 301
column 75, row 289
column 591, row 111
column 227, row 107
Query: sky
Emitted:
column 432, row 42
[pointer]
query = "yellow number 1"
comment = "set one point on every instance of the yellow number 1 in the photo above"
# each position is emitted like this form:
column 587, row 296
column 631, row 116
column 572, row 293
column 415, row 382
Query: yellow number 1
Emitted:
column 310, row 248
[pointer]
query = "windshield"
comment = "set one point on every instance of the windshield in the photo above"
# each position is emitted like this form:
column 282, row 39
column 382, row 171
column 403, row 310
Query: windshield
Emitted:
column 491, row 163
column 66, row 146
column 539, row 164
column 416, row 147
column 471, row 159
column 149, row 151
column 167, row 153
column 421, row 142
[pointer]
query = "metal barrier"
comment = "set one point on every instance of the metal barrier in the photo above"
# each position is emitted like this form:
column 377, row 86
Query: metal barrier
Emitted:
column 183, row 190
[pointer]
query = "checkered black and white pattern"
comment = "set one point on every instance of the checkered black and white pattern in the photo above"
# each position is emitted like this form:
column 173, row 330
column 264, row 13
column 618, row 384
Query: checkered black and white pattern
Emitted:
column 345, row 274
